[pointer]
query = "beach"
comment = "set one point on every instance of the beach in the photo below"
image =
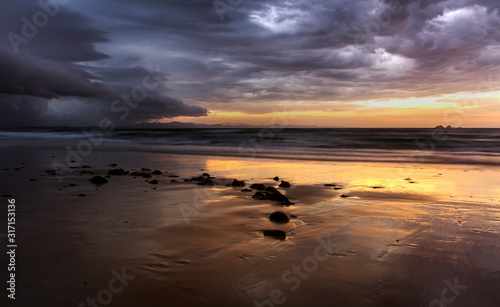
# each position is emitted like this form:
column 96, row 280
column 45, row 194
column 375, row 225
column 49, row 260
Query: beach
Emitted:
column 378, row 233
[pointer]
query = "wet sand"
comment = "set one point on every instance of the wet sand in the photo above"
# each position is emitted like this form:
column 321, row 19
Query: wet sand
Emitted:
column 403, row 236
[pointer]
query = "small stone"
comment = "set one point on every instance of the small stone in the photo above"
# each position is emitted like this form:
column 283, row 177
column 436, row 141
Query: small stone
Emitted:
column 330, row 185
column 98, row 180
column 276, row 178
column 85, row 166
column 173, row 176
column 117, row 172
column 71, row 185
column 157, row 172
column 259, row 196
column 206, row 181
column 113, row 164
column 81, row 195
column 147, row 176
column 173, row 180
column 237, row 183
column 246, row 190
column 279, row 217
column 344, row 196
column 277, row 234
column 153, row 182
column 277, row 196
column 145, row 169
column 206, row 174
column 284, row 184
column 258, row 186
column 200, row 178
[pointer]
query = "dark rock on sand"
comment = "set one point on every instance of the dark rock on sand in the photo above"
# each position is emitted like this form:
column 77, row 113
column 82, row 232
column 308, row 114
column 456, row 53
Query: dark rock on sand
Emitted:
column 32, row 179
column 145, row 169
column 147, row 176
column 153, row 182
column 237, row 183
column 71, row 185
column 284, row 184
column 206, row 181
column 337, row 188
column 277, row 234
column 85, row 166
column 81, row 195
column 98, row 180
column 271, row 189
column 206, row 174
column 258, row 186
column 276, row 178
column 329, row 185
column 157, row 172
column 246, row 190
column 17, row 169
column 277, row 196
column 113, row 164
column 259, row 196
column 117, row 172
column 173, row 180
column 279, row 217
column 200, row 178
column 173, row 176
column 344, row 196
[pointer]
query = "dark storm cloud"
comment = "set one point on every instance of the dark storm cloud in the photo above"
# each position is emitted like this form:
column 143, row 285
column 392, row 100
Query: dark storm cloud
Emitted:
column 252, row 55
column 64, row 35
column 46, row 77
column 32, row 76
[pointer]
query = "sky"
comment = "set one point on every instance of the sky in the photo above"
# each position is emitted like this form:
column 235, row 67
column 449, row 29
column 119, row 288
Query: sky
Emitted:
column 327, row 63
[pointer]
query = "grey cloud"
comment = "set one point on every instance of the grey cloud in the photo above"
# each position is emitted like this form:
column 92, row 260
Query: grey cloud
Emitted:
column 28, row 75
column 266, row 52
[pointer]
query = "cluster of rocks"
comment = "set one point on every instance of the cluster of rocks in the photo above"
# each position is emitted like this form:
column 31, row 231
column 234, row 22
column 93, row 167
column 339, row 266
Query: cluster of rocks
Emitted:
column 144, row 172
column 271, row 193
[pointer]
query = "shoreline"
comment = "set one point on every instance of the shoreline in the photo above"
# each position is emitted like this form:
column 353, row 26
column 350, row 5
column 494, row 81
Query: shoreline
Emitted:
column 389, row 238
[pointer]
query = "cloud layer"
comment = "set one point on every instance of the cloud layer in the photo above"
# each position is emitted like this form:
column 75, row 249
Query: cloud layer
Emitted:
column 247, row 56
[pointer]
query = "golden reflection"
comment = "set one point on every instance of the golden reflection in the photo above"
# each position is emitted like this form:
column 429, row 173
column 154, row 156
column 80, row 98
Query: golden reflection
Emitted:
column 441, row 181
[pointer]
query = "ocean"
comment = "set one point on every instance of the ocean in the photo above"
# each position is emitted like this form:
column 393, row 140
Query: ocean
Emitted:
column 449, row 146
